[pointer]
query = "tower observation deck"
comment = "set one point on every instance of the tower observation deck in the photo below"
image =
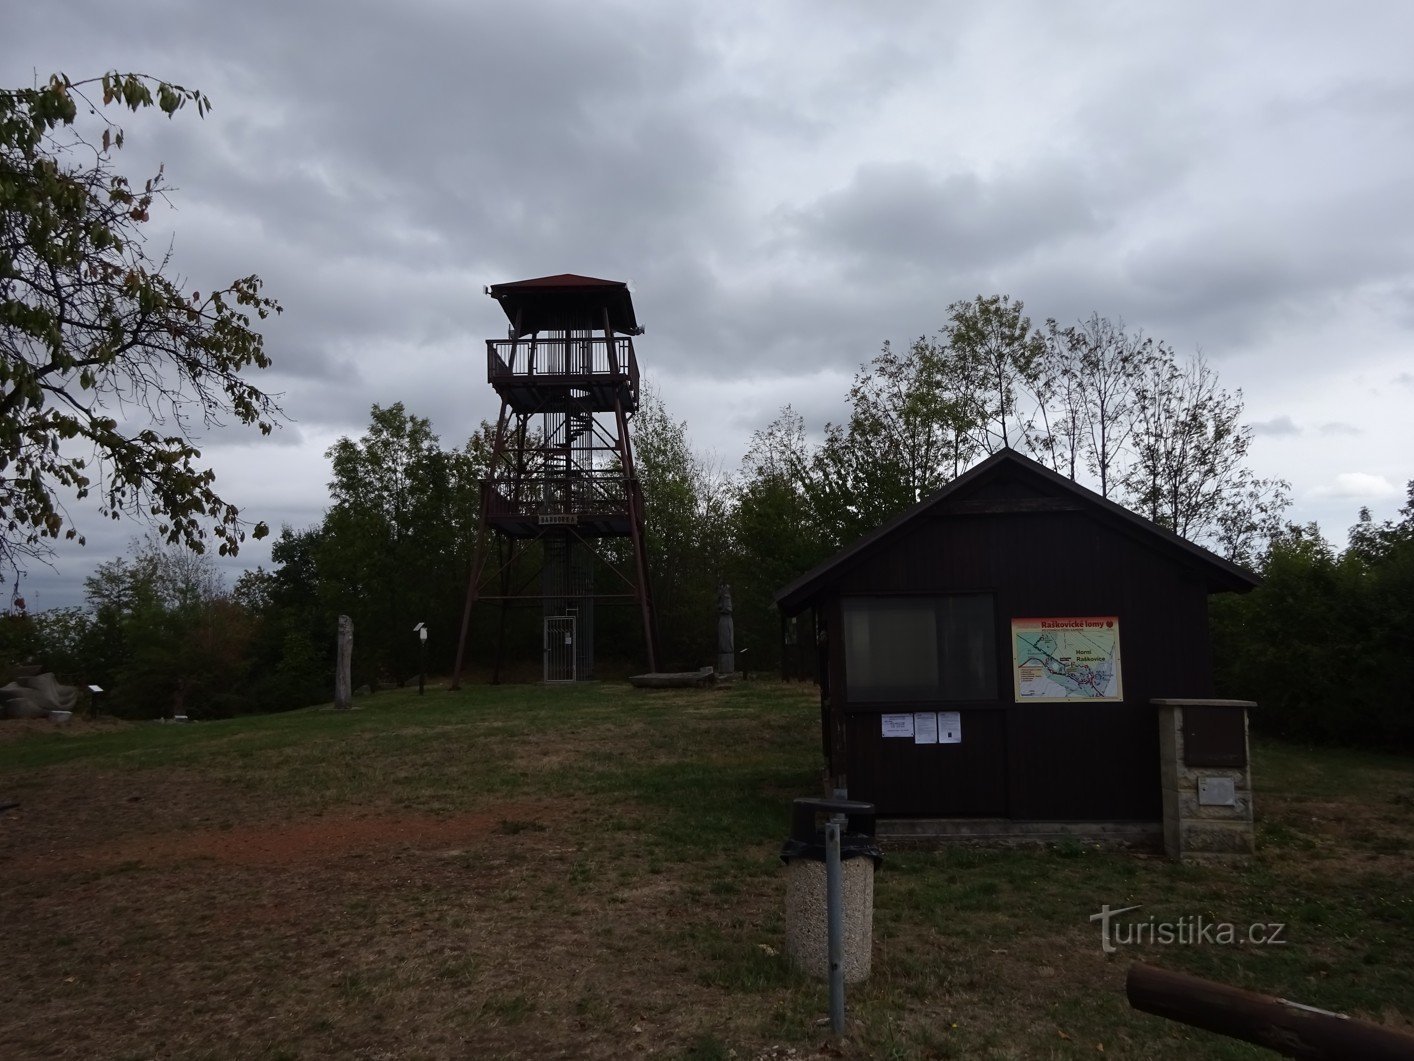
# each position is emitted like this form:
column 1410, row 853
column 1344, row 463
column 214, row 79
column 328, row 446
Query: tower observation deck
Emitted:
column 561, row 476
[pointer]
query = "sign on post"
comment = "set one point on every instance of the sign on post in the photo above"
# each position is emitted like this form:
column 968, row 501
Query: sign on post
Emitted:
column 421, row 631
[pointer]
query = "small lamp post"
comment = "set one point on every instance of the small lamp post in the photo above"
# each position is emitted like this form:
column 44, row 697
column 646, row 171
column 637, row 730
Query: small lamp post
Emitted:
column 421, row 631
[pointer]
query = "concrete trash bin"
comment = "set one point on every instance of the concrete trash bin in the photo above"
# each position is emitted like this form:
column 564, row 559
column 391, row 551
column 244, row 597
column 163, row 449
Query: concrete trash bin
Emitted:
column 807, row 921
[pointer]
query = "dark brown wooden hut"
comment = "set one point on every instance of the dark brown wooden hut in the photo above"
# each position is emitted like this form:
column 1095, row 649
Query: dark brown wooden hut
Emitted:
column 992, row 652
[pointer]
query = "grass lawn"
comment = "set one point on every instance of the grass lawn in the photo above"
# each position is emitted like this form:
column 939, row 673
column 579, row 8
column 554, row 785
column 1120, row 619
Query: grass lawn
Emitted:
column 592, row 871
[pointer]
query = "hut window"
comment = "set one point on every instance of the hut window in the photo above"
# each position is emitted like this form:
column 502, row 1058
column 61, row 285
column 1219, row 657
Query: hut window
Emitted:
column 920, row 648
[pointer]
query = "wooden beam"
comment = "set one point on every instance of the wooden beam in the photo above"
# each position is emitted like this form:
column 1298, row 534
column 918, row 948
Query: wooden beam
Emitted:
column 1289, row 1028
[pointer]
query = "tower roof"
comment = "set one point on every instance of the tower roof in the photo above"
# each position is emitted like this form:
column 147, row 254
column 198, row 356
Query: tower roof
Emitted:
column 566, row 301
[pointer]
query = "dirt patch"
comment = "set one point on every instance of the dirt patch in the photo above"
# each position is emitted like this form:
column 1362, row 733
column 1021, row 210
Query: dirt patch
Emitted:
column 287, row 843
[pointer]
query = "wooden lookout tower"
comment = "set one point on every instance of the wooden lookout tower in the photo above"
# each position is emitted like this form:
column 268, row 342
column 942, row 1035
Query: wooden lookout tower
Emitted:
column 561, row 485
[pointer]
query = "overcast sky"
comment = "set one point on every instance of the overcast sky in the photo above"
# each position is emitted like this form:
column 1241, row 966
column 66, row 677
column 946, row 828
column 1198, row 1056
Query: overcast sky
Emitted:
column 785, row 186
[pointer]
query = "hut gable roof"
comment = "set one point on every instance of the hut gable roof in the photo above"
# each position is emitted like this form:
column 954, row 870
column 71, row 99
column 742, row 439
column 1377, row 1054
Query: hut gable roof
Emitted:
column 1007, row 481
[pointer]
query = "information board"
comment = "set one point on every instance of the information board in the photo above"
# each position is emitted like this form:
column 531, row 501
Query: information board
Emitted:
column 1066, row 658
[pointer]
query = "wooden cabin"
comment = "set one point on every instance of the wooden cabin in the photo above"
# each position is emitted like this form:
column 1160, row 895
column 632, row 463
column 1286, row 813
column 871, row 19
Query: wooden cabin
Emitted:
column 992, row 652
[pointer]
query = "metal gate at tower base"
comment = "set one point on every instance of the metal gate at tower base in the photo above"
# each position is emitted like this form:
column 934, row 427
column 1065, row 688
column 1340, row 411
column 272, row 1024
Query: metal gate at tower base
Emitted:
column 560, row 648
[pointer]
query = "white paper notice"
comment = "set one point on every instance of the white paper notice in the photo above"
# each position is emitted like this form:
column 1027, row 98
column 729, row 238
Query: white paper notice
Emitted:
column 925, row 727
column 898, row 725
column 949, row 727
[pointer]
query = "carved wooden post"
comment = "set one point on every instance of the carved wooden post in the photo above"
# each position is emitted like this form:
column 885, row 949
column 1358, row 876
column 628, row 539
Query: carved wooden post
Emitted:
column 343, row 686
column 726, row 637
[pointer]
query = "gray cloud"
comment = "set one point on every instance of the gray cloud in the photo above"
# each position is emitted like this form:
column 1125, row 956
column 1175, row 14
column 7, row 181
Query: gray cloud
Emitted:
column 902, row 217
column 1281, row 425
column 787, row 186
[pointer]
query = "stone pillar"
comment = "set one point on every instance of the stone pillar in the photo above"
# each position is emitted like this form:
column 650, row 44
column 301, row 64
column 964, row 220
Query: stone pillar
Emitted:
column 1206, row 776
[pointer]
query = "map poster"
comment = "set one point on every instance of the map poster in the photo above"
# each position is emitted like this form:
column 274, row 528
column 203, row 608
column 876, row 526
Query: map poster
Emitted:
column 1066, row 658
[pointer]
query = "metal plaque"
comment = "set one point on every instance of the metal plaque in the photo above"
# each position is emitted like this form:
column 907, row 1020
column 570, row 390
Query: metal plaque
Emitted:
column 1217, row 792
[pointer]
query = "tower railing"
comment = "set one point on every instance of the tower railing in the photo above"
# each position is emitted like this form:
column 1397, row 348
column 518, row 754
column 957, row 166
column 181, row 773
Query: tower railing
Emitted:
column 549, row 495
column 595, row 359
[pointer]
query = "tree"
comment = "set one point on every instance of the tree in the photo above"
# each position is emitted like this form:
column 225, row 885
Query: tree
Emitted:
column 394, row 546
column 911, row 429
column 106, row 361
column 1374, row 542
column 57, row 639
column 776, row 535
column 1000, row 358
column 1093, row 371
column 1324, row 644
column 686, row 505
column 293, row 644
column 166, row 634
column 1189, row 470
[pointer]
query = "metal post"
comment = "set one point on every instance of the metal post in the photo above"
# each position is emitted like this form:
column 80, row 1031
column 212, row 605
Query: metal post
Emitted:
column 834, row 905
column 421, row 631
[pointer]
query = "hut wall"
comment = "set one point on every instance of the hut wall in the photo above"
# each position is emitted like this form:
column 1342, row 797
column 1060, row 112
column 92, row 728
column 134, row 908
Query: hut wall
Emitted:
column 1036, row 557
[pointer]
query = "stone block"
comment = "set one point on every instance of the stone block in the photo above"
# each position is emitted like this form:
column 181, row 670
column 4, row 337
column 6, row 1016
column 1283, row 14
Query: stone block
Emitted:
column 1216, row 838
column 1190, row 808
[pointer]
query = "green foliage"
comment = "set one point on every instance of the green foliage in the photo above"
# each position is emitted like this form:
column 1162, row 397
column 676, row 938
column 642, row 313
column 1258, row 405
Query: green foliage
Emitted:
column 166, row 638
column 394, row 548
column 1188, row 470
column 778, row 532
column 908, row 433
column 20, row 643
column 162, row 636
column 1095, row 403
column 997, row 359
column 92, row 328
column 397, row 541
column 1325, row 644
column 1091, row 376
column 686, row 515
column 291, row 654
